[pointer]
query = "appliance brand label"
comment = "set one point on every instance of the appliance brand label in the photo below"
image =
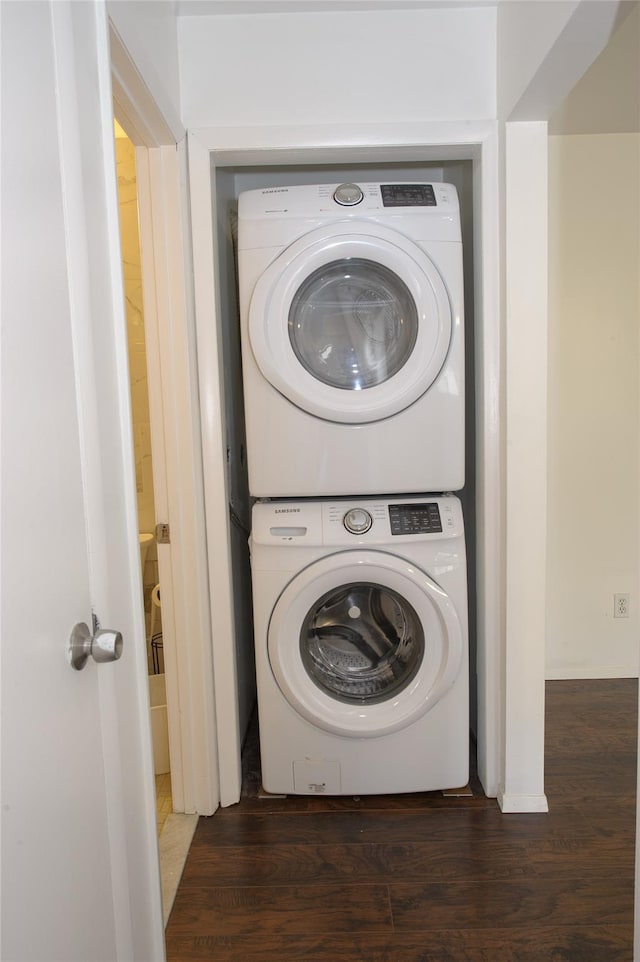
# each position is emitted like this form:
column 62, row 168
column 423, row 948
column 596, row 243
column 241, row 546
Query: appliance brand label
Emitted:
column 287, row 511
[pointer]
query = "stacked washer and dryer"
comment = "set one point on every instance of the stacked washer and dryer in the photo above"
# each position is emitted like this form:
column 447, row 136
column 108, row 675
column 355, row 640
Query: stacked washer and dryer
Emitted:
column 351, row 304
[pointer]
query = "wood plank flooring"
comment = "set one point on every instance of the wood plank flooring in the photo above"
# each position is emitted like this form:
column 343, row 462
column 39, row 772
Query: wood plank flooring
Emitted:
column 422, row 878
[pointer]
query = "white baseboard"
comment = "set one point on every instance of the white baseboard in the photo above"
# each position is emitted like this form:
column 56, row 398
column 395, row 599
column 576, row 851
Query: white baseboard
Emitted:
column 521, row 804
column 570, row 672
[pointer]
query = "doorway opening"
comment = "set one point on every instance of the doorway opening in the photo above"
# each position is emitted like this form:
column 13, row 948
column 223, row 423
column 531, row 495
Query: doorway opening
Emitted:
column 141, row 418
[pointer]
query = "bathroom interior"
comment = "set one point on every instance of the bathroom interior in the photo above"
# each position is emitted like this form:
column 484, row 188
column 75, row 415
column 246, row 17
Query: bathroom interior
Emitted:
column 132, row 277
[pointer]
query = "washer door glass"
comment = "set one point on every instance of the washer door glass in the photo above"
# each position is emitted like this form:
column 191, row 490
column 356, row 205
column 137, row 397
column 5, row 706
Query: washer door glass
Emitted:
column 353, row 324
column 362, row 643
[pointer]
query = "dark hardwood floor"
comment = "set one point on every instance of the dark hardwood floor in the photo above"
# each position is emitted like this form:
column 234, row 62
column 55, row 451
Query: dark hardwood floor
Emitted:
column 423, row 878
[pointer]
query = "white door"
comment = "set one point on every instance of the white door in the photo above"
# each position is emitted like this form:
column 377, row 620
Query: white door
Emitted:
column 352, row 322
column 80, row 876
column 376, row 643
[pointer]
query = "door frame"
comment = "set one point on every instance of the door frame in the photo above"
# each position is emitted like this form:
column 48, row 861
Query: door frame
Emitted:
column 210, row 148
column 175, row 429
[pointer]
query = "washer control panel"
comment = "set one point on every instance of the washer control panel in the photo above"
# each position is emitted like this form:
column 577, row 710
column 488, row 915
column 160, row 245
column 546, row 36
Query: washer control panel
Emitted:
column 357, row 521
column 415, row 518
column 374, row 521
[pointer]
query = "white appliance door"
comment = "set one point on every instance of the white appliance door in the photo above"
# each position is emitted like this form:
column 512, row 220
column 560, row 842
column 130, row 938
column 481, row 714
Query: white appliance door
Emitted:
column 80, row 876
column 352, row 323
column 363, row 643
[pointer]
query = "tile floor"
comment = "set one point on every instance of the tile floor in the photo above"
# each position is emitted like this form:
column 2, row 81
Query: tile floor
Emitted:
column 164, row 803
column 175, row 833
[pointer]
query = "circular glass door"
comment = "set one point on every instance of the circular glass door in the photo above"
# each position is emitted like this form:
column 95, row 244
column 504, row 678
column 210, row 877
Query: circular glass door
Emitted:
column 363, row 643
column 352, row 323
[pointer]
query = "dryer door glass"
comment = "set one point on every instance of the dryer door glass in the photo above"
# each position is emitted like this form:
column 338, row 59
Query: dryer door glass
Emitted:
column 353, row 324
column 362, row 643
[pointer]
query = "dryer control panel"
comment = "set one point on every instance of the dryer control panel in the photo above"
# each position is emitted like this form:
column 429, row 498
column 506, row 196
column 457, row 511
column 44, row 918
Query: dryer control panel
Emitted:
column 319, row 200
column 392, row 195
column 273, row 217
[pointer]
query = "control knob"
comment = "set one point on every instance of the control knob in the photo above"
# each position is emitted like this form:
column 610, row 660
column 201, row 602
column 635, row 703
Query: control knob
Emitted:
column 357, row 521
column 348, row 195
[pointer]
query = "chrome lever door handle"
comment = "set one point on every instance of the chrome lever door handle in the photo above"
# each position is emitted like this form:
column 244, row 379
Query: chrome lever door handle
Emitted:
column 104, row 645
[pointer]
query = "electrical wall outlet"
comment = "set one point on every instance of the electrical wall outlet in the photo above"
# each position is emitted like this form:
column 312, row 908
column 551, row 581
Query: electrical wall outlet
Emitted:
column 621, row 605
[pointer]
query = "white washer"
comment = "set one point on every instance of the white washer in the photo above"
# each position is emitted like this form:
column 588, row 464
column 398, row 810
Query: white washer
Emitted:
column 351, row 307
column 361, row 645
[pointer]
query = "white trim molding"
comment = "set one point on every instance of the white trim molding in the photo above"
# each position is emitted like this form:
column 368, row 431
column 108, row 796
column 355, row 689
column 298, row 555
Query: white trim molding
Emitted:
column 138, row 113
column 521, row 804
column 576, row 672
column 525, row 459
column 364, row 144
column 177, row 471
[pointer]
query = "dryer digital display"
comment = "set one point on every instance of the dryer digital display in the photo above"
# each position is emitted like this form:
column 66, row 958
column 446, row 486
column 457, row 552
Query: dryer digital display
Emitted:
column 408, row 195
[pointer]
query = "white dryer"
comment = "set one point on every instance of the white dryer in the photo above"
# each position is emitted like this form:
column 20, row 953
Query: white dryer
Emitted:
column 351, row 309
column 360, row 611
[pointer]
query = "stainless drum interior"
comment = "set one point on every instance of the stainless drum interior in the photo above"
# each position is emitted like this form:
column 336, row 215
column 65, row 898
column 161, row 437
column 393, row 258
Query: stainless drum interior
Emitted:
column 362, row 642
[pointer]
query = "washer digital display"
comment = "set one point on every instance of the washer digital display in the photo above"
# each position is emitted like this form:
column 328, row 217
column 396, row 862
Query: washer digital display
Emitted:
column 408, row 195
column 415, row 518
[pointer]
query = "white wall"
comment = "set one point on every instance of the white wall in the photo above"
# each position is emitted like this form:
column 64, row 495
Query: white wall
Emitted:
column 331, row 68
column 594, row 252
